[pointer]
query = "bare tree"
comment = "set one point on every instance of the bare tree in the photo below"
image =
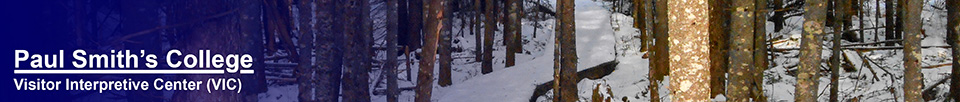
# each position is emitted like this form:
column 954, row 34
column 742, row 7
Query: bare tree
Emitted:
column 659, row 65
column 913, row 79
column 807, row 78
column 390, row 67
column 355, row 84
column 741, row 63
column 719, row 45
column 568, row 50
column 689, row 67
column 838, row 27
column 304, row 66
column 953, row 28
column 446, row 36
column 489, row 27
column 760, row 51
column 889, row 11
column 640, row 22
column 434, row 10
column 329, row 52
column 511, row 31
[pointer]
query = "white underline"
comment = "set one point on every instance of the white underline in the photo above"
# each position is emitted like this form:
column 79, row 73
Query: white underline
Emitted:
column 195, row 71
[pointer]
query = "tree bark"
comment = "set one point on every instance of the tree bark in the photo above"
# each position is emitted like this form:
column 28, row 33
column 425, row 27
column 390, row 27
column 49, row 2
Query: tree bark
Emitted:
column 568, row 48
column 640, row 22
column 434, row 25
column 689, row 68
column 329, row 52
column 446, row 36
column 760, row 51
column 890, row 34
column 913, row 79
column 839, row 17
column 741, row 63
column 478, row 13
column 355, row 84
column 390, row 67
column 511, row 30
column 660, row 56
column 953, row 28
column 720, row 44
column 489, row 27
column 304, row 66
column 807, row 79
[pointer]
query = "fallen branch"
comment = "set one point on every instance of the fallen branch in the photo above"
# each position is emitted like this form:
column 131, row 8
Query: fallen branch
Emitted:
column 384, row 91
column 861, row 48
column 872, row 43
column 937, row 66
column 595, row 72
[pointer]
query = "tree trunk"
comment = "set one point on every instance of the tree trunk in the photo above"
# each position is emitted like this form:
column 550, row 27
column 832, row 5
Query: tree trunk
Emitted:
column 689, row 70
column 329, row 52
column 640, row 22
column 390, row 68
column 511, row 30
column 778, row 18
column 489, row 27
column 741, row 63
column 720, row 44
column 660, row 56
column 556, row 61
column 568, row 49
column 760, row 51
column 446, row 36
column 478, row 12
column 355, row 84
column 305, row 38
column 953, row 28
column 434, row 26
column 838, row 27
column 807, row 78
column 415, row 32
column 211, row 35
column 251, row 27
column 890, row 35
column 913, row 79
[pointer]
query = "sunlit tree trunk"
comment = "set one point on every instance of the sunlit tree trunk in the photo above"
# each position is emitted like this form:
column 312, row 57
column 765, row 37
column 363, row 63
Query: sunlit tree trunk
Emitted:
column 640, row 22
column 741, row 58
column 434, row 10
column 689, row 64
column 659, row 64
column 810, row 50
column 913, row 79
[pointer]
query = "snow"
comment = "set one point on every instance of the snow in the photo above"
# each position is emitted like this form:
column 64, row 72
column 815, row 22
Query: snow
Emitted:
column 605, row 36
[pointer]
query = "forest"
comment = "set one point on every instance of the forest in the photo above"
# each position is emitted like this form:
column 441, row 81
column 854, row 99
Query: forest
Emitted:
column 544, row 50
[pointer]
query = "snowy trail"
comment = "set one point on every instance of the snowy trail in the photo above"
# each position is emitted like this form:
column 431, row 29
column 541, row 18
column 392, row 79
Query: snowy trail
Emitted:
column 595, row 41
